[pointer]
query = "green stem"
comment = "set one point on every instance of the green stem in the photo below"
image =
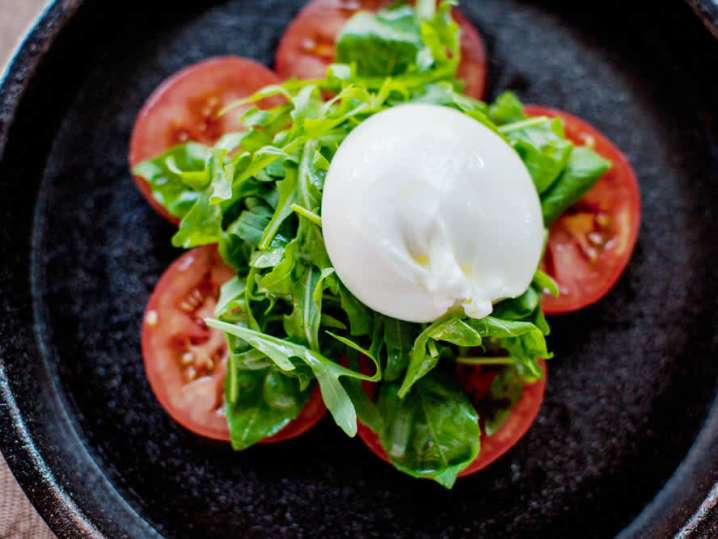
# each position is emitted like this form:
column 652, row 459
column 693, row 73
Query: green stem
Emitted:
column 307, row 214
column 500, row 360
column 523, row 124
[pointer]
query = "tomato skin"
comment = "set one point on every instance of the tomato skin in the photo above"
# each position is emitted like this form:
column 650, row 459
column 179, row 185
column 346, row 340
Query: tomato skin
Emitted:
column 522, row 417
column 308, row 44
column 185, row 108
column 172, row 327
column 584, row 271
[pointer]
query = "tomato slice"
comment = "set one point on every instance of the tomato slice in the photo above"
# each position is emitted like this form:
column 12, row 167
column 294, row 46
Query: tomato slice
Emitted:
column 186, row 361
column 477, row 382
column 185, row 108
column 308, row 44
column 590, row 245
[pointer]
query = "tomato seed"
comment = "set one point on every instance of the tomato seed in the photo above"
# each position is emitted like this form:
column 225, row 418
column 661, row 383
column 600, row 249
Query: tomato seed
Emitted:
column 596, row 238
column 603, row 220
column 190, row 374
column 187, row 358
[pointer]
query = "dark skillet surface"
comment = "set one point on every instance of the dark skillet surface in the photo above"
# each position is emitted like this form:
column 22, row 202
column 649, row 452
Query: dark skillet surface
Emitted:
column 634, row 378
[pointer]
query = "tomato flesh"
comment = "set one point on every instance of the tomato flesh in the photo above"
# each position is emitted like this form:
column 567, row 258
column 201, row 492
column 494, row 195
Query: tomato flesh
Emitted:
column 186, row 108
column 477, row 383
column 591, row 244
column 309, row 42
column 186, row 361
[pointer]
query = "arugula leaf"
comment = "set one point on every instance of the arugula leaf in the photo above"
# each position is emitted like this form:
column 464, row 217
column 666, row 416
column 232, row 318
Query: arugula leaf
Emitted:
column 542, row 146
column 175, row 176
column 326, row 371
column 260, row 403
column 222, row 174
column 399, row 339
column 360, row 317
column 381, row 44
column 251, row 224
column 431, row 433
column 507, row 109
column 231, row 298
column 584, row 168
column 200, row 226
column 278, row 282
column 454, row 329
column 504, row 393
column 562, row 172
column 287, row 194
column 545, row 283
column 304, row 321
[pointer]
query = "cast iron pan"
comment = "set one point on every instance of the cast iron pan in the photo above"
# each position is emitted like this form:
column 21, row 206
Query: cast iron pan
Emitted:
column 625, row 441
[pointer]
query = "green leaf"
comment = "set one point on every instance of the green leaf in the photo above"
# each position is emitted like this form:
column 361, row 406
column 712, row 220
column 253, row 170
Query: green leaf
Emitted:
column 507, row 109
column 327, row 372
column 545, row 283
column 287, row 195
column 504, row 393
column 519, row 308
column 524, row 341
column 231, row 298
column 251, row 224
column 431, row 433
column 381, row 44
column 585, row 167
column 278, row 282
column 260, row 403
column 222, row 176
column 200, row 226
column 173, row 176
column 267, row 259
column 360, row 317
column 399, row 339
column 543, row 147
column 452, row 329
column 303, row 323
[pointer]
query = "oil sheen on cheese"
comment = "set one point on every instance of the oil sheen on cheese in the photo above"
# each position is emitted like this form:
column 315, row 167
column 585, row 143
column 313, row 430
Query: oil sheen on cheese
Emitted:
column 426, row 210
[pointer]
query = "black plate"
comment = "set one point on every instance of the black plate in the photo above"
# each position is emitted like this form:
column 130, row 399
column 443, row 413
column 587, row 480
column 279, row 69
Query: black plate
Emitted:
column 625, row 439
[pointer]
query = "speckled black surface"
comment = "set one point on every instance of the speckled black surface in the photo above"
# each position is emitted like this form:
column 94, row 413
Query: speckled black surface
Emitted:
column 635, row 377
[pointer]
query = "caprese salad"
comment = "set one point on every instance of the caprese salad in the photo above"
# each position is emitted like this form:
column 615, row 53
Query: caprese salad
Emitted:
column 366, row 236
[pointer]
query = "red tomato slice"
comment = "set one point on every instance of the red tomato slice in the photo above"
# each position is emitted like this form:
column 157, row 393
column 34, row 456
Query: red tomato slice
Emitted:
column 185, row 361
column 185, row 108
column 477, row 383
column 308, row 44
column 590, row 245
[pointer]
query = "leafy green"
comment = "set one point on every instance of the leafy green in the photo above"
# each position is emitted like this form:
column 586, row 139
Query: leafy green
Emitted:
column 401, row 41
column 399, row 338
column 381, row 44
column 584, row 168
column 175, row 176
column 453, row 329
column 542, row 146
column 259, row 403
column 561, row 171
column 326, row 371
column 505, row 392
column 200, row 226
column 431, row 433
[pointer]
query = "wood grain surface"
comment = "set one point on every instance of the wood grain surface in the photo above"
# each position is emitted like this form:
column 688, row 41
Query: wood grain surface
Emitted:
column 15, row 16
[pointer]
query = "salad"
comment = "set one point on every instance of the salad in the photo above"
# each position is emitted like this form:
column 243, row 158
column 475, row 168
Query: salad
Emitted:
column 367, row 237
